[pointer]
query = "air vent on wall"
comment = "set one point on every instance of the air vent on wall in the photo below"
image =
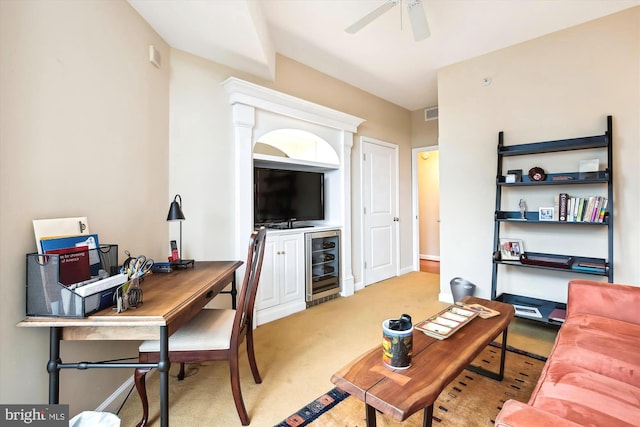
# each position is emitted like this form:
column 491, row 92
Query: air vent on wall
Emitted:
column 430, row 113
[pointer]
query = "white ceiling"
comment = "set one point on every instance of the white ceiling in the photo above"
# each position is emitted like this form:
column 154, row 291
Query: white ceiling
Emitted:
column 382, row 59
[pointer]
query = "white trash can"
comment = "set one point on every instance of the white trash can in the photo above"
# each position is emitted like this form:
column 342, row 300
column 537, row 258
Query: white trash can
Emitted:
column 95, row 419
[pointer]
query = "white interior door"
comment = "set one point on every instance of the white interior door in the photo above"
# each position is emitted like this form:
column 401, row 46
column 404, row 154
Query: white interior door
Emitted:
column 380, row 207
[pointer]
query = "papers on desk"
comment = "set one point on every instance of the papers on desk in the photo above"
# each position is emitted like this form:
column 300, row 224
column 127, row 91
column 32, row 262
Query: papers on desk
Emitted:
column 69, row 276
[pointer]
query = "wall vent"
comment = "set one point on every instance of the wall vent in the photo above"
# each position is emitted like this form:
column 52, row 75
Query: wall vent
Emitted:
column 430, row 113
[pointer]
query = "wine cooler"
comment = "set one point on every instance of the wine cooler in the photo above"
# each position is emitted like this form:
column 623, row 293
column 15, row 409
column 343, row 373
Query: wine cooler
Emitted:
column 323, row 264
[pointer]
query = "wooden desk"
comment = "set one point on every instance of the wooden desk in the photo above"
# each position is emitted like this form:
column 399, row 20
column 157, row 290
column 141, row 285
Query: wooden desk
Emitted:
column 169, row 301
column 434, row 364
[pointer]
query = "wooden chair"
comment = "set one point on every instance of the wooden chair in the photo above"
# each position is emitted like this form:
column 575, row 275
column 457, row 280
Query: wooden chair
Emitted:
column 214, row 334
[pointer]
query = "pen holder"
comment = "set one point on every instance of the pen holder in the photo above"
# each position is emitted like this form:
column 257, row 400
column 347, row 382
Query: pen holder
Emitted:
column 129, row 295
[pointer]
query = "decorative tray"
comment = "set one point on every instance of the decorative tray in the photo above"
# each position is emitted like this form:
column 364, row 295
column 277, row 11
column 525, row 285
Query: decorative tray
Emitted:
column 546, row 260
column 447, row 322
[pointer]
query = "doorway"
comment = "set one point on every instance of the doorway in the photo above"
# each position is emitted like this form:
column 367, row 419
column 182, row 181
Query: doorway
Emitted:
column 380, row 204
column 426, row 204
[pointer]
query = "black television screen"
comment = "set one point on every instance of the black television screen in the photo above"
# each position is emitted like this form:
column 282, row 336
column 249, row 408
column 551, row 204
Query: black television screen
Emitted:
column 285, row 195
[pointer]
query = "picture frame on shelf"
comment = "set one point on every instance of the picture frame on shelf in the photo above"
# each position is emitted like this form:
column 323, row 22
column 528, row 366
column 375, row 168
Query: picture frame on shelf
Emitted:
column 517, row 174
column 511, row 249
column 546, row 214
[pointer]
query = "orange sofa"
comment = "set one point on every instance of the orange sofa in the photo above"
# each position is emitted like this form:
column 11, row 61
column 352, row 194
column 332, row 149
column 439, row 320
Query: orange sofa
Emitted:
column 592, row 377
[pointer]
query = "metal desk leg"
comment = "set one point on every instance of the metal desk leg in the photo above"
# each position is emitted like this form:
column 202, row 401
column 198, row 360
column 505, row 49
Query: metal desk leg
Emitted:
column 163, row 367
column 233, row 291
column 53, row 367
column 503, row 351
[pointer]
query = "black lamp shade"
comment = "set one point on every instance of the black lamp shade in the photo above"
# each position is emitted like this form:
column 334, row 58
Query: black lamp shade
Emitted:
column 175, row 210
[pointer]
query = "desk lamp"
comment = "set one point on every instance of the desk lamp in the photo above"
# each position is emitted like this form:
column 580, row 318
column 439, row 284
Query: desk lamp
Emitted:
column 175, row 214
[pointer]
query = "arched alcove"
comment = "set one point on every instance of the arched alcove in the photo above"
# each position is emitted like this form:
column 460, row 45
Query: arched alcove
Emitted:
column 296, row 144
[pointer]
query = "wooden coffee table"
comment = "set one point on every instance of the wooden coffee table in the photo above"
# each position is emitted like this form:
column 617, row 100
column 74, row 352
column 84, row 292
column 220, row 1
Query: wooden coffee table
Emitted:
column 434, row 364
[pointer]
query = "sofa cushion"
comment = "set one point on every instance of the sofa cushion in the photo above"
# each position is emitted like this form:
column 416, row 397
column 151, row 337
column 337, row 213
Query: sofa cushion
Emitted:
column 605, row 346
column 586, row 397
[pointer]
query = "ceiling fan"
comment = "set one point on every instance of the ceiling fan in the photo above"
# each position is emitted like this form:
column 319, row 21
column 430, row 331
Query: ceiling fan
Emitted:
column 416, row 16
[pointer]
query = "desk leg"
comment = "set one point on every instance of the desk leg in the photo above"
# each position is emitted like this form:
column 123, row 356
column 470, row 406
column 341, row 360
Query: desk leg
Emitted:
column 163, row 367
column 233, row 291
column 371, row 416
column 53, row 367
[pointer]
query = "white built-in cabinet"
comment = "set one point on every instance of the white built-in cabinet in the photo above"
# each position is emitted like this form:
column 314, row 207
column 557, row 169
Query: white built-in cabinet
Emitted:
column 282, row 281
column 257, row 112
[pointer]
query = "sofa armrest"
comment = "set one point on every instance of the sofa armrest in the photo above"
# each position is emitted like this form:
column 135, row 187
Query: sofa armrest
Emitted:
column 610, row 300
column 515, row 414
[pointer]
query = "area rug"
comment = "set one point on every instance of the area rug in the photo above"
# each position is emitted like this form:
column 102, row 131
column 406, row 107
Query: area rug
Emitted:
column 470, row 400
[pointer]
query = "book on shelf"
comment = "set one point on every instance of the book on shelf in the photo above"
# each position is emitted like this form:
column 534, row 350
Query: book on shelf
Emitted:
column 603, row 210
column 588, row 269
column 580, row 209
column 558, row 314
column 564, row 206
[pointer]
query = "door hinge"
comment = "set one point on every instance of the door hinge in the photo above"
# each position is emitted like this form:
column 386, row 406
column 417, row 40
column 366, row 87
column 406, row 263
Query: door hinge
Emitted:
column 365, row 265
column 364, row 156
column 364, row 210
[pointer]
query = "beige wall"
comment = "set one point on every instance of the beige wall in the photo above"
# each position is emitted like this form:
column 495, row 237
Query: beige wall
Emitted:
column 423, row 133
column 83, row 132
column 559, row 86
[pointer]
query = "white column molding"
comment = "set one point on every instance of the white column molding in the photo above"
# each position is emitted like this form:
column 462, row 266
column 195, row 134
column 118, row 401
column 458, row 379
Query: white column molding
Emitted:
column 243, row 123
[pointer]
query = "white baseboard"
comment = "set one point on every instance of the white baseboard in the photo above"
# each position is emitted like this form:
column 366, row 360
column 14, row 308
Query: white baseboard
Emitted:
column 430, row 257
column 114, row 402
column 445, row 297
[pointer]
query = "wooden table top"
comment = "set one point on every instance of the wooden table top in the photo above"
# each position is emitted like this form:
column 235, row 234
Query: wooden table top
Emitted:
column 169, row 299
column 434, row 364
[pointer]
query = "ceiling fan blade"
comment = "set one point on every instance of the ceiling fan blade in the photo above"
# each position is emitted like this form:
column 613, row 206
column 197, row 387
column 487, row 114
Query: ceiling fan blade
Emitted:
column 370, row 17
column 418, row 19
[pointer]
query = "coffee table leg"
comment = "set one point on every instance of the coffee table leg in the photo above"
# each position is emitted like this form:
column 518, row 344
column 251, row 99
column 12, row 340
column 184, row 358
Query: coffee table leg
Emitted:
column 495, row 376
column 371, row 416
column 428, row 416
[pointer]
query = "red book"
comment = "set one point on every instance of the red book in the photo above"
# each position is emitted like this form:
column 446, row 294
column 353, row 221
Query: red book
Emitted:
column 74, row 264
column 558, row 314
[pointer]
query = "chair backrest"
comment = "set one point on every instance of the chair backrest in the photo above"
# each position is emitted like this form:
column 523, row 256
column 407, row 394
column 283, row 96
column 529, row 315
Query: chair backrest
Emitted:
column 244, row 313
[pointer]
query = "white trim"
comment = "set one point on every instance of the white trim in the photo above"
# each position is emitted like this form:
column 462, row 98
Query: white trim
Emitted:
column 118, row 397
column 430, row 257
column 243, row 92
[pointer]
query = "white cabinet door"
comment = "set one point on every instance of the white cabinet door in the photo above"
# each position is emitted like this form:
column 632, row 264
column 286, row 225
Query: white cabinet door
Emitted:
column 282, row 277
column 268, row 289
column 293, row 268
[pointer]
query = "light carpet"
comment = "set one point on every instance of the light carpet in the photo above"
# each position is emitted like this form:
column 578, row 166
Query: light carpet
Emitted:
column 471, row 400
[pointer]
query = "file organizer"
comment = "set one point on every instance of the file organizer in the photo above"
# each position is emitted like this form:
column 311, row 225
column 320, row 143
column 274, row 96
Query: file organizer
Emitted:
column 47, row 296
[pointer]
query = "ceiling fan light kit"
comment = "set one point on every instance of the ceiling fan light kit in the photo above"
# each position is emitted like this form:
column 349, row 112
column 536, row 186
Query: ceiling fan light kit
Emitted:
column 416, row 13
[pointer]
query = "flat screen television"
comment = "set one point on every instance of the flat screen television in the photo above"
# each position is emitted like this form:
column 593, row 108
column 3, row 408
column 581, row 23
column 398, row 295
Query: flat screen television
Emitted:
column 286, row 195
